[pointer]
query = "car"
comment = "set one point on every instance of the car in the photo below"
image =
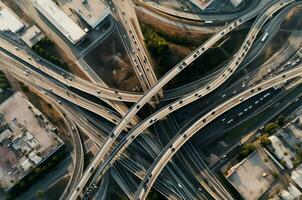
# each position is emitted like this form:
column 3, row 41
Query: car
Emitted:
column 50, row 89
column 230, row 121
column 59, row 102
column 241, row 99
column 223, row 120
column 234, row 92
column 241, row 113
column 256, row 102
column 98, row 91
column 246, row 109
column 223, row 95
column 250, row 107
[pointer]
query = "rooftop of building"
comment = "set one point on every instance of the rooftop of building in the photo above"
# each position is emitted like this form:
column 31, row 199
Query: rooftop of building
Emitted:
column 32, row 35
column 26, row 138
column 60, row 20
column 251, row 177
column 8, row 20
column 92, row 12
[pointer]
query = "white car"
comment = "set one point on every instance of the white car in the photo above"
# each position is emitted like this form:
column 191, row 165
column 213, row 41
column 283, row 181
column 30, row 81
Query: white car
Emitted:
column 230, row 121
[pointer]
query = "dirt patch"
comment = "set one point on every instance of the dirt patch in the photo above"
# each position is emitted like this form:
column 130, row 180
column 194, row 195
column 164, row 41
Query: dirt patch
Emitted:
column 168, row 50
column 194, row 38
column 110, row 61
column 293, row 20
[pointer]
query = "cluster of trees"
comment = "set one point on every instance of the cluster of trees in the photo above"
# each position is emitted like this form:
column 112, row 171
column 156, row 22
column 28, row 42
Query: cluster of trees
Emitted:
column 246, row 150
column 155, row 43
column 264, row 140
column 158, row 47
column 175, row 39
column 23, row 87
column 40, row 49
column 3, row 81
column 271, row 127
column 36, row 174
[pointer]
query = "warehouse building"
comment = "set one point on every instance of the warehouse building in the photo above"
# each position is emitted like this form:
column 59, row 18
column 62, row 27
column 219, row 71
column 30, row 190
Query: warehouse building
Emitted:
column 32, row 35
column 91, row 11
column 60, row 20
column 9, row 22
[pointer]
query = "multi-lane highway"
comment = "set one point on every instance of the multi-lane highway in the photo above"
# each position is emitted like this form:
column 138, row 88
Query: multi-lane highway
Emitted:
column 17, row 53
column 66, row 91
column 201, row 92
column 177, row 69
column 132, row 35
column 184, row 135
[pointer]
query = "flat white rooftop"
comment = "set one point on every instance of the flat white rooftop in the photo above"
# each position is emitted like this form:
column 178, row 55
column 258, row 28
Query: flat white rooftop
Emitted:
column 32, row 35
column 248, row 177
column 202, row 4
column 91, row 11
column 60, row 20
column 8, row 21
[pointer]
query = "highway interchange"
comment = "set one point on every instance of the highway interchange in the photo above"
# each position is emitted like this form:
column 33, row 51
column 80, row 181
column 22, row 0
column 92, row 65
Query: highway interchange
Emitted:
column 125, row 126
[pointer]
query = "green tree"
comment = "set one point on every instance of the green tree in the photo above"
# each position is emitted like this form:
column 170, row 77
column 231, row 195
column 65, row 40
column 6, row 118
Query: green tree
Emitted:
column 22, row 184
column 246, row 150
column 55, row 158
column 281, row 120
column 38, row 170
column 283, row 163
column 32, row 178
column 275, row 174
column 40, row 194
column 24, row 88
column 271, row 127
column 264, row 140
